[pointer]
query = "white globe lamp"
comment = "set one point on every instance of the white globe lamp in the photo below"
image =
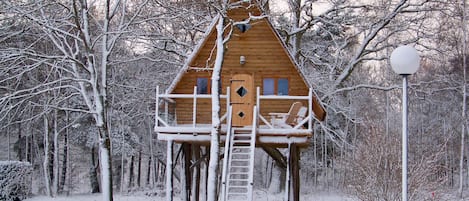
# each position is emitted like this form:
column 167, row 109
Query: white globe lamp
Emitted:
column 404, row 61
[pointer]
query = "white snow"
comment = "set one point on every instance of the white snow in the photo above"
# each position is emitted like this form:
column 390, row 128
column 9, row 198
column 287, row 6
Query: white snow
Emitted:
column 258, row 196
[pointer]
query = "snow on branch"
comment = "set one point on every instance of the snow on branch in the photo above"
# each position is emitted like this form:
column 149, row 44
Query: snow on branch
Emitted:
column 15, row 180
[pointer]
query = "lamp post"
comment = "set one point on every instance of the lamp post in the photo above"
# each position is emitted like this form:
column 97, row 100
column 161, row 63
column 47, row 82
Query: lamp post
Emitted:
column 404, row 61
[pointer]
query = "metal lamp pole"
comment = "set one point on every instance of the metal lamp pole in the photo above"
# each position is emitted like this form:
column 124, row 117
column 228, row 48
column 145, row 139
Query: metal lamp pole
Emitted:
column 405, row 61
column 404, row 137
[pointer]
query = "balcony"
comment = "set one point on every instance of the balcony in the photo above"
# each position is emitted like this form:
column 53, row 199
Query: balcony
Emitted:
column 187, row 118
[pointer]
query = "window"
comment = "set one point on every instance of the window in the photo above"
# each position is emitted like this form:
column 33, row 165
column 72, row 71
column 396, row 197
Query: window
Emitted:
column 203, row 85
column 269, row 86
column 275, row 86
column 282, row 87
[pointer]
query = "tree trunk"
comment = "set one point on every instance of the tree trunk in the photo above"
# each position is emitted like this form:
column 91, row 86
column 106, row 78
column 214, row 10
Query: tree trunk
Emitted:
column 122, row 179
column 295, row 6
column 131, row 172
column 139, row 168
column 46, row 157
column 55, row 178
column 20, row 142
column 149, row 176
column 9, row 141
column 94, row 183
column 463, row 124
column 64, row 163
column 215, row 131
column 106, row 164
column 157, row 170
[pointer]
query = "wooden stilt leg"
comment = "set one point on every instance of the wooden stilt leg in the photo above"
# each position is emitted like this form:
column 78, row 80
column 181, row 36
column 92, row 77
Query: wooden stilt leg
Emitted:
column 295, row 171
column 186, row 161
column 196, row 174
column 207, row 152
column 287, row 176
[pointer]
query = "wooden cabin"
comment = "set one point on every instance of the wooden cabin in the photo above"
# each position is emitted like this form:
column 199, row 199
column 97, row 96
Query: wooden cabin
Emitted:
column 263, row 93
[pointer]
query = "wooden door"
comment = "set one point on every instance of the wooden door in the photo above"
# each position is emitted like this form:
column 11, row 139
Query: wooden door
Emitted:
column 242, row 99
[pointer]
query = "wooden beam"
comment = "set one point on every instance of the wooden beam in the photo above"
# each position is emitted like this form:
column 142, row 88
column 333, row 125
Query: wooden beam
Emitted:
column 295, row 171
column 278, row 157
column 195, row 173
column 186, row 173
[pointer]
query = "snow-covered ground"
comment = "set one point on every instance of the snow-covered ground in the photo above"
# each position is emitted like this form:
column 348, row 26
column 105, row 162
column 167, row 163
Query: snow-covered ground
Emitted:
column 259, row 196
column 449, row 195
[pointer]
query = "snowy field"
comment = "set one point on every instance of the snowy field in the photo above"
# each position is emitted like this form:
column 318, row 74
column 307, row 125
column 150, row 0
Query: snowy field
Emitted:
column 259, row 196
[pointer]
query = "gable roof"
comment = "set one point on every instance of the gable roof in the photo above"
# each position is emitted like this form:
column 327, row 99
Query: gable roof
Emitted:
column 191, row 57
column 211, row 29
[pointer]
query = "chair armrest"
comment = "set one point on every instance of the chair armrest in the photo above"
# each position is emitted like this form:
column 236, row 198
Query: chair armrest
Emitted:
column 278, row 114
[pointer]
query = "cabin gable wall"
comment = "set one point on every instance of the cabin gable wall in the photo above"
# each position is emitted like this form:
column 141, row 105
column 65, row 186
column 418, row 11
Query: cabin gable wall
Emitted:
column 265, row 58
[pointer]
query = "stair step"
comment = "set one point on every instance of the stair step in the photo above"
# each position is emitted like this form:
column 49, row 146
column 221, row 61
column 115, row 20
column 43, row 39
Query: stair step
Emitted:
column 239, row 186
column 243, row 134
column 240, row 159
column 240, row 154
column 240, row 166
column 238, row 194
column 241, row 143
column 238, row 173
column 242, row 147
column 247, row 140
column 239, row 169
column 239, row 180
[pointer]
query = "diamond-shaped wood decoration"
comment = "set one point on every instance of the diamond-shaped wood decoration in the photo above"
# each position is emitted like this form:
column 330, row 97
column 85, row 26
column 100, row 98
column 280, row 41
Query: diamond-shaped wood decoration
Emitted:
column 241, row 114
column 242, row 91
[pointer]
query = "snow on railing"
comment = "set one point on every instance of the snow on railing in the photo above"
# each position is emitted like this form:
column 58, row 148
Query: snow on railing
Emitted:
column 308, row 119
column 169, row 98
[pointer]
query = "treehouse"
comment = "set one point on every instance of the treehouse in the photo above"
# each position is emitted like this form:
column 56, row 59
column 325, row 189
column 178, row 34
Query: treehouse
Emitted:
column 265, row 102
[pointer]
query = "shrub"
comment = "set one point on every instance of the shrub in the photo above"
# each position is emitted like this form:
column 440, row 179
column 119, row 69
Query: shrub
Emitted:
column 15, row 180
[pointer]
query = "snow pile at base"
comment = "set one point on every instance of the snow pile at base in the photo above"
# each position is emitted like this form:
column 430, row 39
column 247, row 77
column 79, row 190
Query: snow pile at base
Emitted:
column 15, row 180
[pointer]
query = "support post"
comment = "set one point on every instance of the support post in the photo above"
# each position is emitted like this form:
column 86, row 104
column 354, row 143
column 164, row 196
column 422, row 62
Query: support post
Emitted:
column 186, row 177
column 310, row 109
column 295, row 171
column 258, row 100
column 194, row 108
column 287, row 175
column 196, row 173
column 157, row 106
column 169, row 170
column 228, row 98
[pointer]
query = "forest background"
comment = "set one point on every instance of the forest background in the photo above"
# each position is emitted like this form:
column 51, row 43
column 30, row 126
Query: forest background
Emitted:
column 78, row 79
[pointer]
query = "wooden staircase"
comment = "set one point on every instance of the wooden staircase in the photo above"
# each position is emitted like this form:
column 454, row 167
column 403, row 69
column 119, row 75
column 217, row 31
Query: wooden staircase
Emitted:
column 238, row 166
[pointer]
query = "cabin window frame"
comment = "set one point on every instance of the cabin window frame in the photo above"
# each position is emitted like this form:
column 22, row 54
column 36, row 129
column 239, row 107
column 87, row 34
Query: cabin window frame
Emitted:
column 276, row 85
column 199, row 89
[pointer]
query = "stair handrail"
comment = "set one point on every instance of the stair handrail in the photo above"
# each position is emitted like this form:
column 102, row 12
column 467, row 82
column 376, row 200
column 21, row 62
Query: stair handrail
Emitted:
column 228, row 144
column 251, row 157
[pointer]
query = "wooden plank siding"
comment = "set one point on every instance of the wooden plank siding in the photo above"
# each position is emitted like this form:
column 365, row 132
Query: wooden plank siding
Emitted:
column 265, row 58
